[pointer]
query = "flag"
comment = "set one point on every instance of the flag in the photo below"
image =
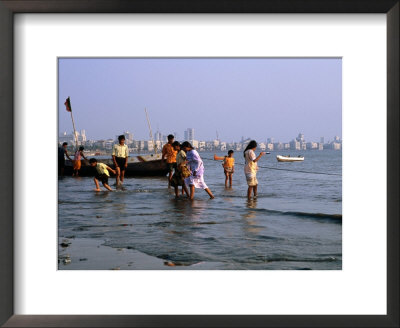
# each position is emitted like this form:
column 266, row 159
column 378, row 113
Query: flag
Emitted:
column 68, row 105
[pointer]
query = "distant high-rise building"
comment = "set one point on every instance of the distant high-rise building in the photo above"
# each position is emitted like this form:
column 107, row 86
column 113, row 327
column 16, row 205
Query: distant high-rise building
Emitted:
column 300, row 137
column 189, row 134
column 312, row 145
column 322, row 140
column 157, row 136
column 295, row 145
column 128, row 136
column 83, row 135
column 69, row 138
column 336, row 146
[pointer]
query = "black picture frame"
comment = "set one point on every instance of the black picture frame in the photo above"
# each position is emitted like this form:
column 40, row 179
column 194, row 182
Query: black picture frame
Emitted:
column 10, row 7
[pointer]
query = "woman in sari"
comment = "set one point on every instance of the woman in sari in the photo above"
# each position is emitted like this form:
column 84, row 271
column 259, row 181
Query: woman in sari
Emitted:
column 196, row 179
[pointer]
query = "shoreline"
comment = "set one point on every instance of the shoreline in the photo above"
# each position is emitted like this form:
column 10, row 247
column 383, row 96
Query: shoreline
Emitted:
column 92, row 254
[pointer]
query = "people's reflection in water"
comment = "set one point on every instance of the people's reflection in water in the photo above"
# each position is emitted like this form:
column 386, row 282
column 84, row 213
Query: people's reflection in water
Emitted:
column 180, row 235
column 189, row 210
column 250, row 224
column 251, row 204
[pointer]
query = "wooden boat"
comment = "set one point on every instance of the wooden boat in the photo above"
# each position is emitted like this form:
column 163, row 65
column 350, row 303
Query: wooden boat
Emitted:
column 141, row 165
column 281, row 158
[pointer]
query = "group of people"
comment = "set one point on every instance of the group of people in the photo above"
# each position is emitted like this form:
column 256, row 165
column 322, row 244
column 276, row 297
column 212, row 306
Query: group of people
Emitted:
column 185, row 166
column 120, row 154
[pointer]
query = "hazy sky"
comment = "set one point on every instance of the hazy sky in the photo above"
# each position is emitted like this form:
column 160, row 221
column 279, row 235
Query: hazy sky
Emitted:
column 257, row 97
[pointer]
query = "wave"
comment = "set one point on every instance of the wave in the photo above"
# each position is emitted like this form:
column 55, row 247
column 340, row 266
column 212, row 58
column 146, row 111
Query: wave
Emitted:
column 260, row 258
column 336, row 217
column 314, row 215
column 328, row 216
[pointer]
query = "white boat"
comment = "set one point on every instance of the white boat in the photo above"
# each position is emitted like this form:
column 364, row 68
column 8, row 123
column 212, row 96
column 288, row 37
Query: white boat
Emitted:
column 281, row 158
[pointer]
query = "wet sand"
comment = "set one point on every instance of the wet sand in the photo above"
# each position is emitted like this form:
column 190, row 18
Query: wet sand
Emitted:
column 91, row 254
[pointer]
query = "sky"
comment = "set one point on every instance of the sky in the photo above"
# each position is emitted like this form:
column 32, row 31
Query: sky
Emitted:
column 257, row 98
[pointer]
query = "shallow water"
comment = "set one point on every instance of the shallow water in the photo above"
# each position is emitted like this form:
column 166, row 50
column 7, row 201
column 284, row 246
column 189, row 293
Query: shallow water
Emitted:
column 295, row 222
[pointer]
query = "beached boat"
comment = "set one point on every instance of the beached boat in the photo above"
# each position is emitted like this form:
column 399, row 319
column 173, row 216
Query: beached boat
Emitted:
column 141, row 165
column 281, row 158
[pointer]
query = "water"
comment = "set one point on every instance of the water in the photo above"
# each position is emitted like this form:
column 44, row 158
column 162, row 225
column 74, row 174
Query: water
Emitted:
column 295, row 222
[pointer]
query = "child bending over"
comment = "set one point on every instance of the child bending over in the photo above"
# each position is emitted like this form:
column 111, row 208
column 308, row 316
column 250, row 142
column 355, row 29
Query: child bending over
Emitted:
column 101, row 174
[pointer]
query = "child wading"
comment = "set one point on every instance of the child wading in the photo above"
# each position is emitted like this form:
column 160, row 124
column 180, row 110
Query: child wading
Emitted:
column 229, row 166
column 195, row 180
column 181, row 171
column 120, row 158
column 77, row 163
column 250, row 167
column 101, row 174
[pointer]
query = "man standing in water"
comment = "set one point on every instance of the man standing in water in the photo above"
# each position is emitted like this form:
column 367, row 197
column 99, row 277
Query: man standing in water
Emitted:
column 62, row 152
column 169, row 153
column 120, row 156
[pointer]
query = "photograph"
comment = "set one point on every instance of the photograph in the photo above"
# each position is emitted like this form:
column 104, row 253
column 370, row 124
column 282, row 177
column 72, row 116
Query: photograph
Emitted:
column 199, row 163
column 286, row 114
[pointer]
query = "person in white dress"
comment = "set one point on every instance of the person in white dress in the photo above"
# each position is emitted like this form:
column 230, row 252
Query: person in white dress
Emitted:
column 195, row 163
column 251, row 167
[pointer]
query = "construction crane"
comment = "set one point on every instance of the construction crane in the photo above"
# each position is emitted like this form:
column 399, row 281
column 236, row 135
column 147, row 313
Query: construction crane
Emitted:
column 151, row 133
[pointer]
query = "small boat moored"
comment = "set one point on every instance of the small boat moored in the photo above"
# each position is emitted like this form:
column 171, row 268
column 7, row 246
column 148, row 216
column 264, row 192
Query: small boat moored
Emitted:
column 144, row 165
column 281, row 158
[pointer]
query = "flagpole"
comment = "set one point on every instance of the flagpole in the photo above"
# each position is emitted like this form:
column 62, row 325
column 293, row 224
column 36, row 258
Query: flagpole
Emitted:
column 69, row 109
column 76, row 137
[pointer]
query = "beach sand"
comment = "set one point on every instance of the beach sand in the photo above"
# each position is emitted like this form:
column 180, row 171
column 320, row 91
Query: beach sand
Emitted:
column 91, row 254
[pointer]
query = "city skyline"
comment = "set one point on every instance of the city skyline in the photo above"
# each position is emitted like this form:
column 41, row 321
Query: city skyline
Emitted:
column 181, row 137
column 157, row 141
column 237, row 97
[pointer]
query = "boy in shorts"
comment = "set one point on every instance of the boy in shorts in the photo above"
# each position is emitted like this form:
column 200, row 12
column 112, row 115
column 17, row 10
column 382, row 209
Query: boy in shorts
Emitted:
column 101, row 174
column 120, row 155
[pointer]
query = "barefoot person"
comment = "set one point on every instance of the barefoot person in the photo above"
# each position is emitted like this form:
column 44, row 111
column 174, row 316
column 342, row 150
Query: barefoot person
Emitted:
column 62, row 152
column 181, row 171
column 229, row 166
column 195, row 180
column 250, row 167
column 120, row 156
column 169, row 155
column 101, row 174
column 77, row 160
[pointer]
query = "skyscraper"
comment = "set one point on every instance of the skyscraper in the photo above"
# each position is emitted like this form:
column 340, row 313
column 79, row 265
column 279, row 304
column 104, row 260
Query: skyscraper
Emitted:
column 189, row 134
column 157, row 136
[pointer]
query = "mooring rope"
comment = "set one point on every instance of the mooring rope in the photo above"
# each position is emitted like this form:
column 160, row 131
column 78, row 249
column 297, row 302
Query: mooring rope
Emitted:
column 280, row 169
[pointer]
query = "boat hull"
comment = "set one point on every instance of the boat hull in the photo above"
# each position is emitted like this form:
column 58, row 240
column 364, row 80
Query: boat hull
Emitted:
column 147, row 165
column 289, row 159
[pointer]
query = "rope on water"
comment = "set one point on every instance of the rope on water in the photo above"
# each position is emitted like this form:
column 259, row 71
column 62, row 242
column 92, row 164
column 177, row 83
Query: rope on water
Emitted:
column 309, row 172
column 280, row 169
